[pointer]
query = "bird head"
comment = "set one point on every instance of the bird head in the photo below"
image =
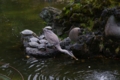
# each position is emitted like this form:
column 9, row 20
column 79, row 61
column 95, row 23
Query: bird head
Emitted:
column 48, row 27
column 45, row 29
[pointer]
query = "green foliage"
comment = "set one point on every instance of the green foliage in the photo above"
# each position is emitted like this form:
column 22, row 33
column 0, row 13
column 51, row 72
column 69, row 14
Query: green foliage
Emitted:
column 86, row 12
column 71, row 1
column 67, row 12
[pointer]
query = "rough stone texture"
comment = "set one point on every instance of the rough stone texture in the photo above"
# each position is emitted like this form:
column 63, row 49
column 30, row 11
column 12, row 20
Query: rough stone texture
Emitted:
column 49, row 13
column 92, row 42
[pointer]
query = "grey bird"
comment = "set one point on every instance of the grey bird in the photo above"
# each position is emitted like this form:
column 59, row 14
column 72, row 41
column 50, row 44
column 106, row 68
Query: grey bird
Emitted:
column 53, row 39
column 74, row 34
column 112, row 27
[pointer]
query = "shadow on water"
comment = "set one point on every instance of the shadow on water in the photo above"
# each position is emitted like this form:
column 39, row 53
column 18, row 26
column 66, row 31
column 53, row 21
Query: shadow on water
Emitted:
column 17, row 15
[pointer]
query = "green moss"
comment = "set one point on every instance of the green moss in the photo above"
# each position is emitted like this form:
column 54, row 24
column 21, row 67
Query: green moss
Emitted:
column 86, row 12
column 117, row 50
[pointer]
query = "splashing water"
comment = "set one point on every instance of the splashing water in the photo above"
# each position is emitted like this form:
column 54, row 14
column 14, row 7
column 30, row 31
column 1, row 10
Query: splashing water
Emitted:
column 107, row 75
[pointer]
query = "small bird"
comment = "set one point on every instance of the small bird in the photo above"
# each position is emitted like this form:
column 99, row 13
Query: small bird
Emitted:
column 53, row 39
column 112, row 27
column 74, row 34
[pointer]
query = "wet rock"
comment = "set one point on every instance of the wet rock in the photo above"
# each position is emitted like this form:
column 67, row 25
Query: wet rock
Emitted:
column 39, row 53
column 34, row 39
column 77, row 46
column 43, row 41
column 49, row 13
column 42, row 47
column 48, row 45
column 65, row 42
column 41, row 37
column 92, row 19
column 38, row 47
column 33, row 44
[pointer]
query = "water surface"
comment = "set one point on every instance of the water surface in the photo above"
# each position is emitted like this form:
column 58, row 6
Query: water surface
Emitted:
column 17, row 15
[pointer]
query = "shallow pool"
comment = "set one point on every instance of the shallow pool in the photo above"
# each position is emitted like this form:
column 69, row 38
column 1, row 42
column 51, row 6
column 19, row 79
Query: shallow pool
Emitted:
column 17, row 15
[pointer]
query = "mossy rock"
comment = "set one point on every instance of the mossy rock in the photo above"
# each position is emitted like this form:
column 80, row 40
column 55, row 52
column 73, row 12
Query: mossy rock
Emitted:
column 85, row 12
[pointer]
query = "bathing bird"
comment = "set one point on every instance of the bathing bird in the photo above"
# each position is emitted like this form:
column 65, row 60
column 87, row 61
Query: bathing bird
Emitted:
column 112, row 27
column 74, row 34
column 53, row 39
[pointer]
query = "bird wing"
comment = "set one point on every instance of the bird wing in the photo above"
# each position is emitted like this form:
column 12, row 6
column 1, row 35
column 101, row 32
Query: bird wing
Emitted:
column 51, row 37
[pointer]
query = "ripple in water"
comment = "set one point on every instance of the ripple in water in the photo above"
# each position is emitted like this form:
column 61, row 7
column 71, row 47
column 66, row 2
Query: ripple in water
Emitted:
column 61, row 70
column 106, row 75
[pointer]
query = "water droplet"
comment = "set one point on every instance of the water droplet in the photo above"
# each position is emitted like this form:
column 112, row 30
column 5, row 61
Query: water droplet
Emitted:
column 89, row 66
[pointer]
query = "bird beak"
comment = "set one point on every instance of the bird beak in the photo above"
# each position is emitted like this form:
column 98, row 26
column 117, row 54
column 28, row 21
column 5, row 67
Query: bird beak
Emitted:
column 71, row 54
column 75, row 58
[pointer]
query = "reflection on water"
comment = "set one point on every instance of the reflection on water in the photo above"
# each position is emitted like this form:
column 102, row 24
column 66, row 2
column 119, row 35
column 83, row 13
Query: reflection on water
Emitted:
column 63, row 69
column 70, row 70
column 17, row 15
column 106, row 75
